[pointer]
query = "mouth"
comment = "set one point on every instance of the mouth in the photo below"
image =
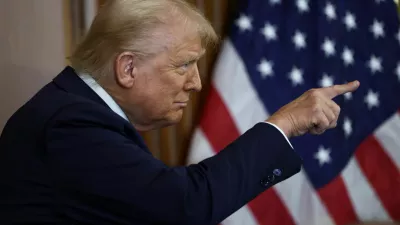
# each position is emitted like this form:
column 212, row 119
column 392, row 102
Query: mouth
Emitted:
column 182, row 104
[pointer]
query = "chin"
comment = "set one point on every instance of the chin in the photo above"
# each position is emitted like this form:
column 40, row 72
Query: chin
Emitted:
column 175, row 117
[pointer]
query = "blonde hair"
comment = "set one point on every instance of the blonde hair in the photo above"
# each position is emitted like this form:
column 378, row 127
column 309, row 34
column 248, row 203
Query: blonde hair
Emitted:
column 131, row 25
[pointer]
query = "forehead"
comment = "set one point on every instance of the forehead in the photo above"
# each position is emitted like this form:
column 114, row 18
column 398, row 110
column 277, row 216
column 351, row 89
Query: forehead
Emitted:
column 188, row 45
column 182, row 36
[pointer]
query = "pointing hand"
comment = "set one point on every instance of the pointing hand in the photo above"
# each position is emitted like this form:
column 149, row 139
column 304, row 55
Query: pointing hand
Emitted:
column 313, row 112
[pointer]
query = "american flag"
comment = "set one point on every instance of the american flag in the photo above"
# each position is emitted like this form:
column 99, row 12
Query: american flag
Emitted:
column 277, row 50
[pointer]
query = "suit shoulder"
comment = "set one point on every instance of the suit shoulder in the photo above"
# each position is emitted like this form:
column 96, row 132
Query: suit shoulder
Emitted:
column 85, row 113
column 52, row 105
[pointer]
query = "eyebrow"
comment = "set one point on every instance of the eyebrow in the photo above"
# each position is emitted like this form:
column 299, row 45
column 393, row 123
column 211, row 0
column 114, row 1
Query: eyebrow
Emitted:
column 196, row 58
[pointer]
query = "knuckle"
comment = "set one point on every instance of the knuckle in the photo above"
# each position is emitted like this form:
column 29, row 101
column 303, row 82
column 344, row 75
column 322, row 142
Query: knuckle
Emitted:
column 316, row 109
column 325, row 123
column 337, row 109
column 316, row 103
column 331, row 117
column 314, row 92
column 321, row 119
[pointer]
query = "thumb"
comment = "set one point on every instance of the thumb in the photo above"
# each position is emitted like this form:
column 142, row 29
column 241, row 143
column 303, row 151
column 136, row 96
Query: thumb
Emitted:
column 333, row 91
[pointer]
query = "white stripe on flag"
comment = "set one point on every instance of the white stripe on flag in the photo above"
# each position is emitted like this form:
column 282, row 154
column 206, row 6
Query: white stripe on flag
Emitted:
column 243, row 216
column 302, row 201
column 235, row 88
column 200, row 148
column 388, row 137
column 363, row 198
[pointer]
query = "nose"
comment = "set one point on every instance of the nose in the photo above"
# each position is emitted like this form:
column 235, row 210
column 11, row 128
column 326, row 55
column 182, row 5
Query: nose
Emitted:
column 194, row 81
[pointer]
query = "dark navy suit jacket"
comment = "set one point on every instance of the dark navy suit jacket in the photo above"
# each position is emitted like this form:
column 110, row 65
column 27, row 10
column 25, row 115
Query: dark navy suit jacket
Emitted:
column 67, row 158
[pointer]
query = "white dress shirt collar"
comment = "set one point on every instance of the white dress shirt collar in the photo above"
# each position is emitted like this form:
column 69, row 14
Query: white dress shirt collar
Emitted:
column 102, row 94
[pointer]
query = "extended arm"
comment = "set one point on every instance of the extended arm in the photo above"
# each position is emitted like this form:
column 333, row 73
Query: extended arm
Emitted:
column 96, row 163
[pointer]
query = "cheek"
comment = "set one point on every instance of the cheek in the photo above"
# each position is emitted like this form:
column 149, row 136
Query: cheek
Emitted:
column 173, row 84
column 162, row 93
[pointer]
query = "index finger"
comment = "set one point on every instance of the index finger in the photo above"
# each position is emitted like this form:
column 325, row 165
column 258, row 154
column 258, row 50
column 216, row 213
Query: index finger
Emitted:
column 333, row 91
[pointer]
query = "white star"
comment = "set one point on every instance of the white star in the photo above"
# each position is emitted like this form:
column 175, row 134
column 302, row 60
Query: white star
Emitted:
column 330, row 11
column 375, row 64
column 244, row 23
column 265, row 68
column 299, row 40
column 348, row 56
column 347, row 127
column 323, row 155
column 348, row 96
column 296, row 75
column 274, row 2
column 350, row 21
column 269, row 31
column 302, row 5
column 326, row 81
column 398, row 36
column 377, row 28
column 372, row 99
column 397, row 70
column 328, row 47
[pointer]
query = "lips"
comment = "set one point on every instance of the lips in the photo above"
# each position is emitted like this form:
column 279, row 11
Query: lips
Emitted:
column 182, row 104
column 185, row 101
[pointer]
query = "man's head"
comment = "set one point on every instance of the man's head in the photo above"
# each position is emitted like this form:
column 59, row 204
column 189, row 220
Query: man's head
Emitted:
column 145, row 53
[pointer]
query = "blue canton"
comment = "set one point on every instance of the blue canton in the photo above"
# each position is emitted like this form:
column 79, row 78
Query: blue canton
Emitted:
column 289, row 47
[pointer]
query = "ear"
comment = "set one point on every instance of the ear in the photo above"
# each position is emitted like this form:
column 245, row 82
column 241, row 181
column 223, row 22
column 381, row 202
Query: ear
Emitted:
column 125, row 69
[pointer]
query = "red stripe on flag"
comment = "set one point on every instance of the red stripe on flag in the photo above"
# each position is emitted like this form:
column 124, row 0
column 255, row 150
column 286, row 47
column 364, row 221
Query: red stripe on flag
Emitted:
column 217, row 123
column 337, row 201
column 381, row 173
column 268, row 209
column 220, row 130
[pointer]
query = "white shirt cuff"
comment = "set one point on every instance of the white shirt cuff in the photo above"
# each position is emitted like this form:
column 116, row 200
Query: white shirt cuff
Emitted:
column 281, row 132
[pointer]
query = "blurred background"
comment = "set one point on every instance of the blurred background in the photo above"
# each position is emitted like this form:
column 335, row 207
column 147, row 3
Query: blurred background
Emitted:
column 37, row 36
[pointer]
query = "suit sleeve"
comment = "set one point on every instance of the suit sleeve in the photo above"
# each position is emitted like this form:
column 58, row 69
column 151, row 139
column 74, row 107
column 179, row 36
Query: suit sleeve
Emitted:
column 102, row 173
column 283, row 133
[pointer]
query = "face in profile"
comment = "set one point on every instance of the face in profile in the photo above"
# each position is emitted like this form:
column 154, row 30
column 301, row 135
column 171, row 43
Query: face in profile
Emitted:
column 164, row 82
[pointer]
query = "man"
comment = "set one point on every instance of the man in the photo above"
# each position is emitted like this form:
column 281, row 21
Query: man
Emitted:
column 72, row 154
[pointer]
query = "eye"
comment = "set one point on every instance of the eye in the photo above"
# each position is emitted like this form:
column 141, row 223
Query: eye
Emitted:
column 186, row 65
